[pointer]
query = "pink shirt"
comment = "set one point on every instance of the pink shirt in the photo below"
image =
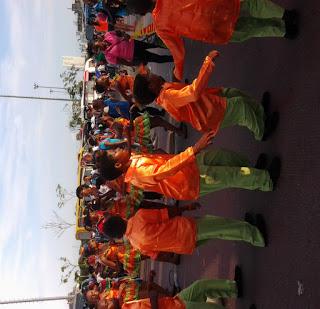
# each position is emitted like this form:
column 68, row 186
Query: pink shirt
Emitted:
column 119, row 48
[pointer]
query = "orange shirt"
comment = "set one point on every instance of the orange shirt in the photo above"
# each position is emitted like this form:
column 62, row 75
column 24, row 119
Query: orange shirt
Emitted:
column 211, row 21
column 196, row 104
column 163, row 303
column 125, row 82
column 152, row 231
column 166, row 174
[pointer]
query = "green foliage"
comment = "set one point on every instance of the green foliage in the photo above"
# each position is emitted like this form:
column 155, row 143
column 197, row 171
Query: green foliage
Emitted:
column 74, row 87
column 67, row 269
column 64, row 195
column 71, row 84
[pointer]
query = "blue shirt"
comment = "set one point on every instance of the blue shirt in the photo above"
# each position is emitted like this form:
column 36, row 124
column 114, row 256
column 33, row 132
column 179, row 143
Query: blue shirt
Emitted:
column 124, row 107
column 102, row 145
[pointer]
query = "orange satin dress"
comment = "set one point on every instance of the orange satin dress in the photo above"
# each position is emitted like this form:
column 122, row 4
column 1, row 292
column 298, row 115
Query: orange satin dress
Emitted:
column 211, row 21
column 163, row 303
column 175, row 176
column 152, row 231
column 202, row 107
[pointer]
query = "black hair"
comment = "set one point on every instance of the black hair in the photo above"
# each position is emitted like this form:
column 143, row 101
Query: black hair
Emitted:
column 140, row 7
column 92, row 22
column 114, row 227
column 91, row 269
column 141, row 91
column 99, row 87
column 106, row 165
column 100, row 181
column 87, row 221
column 92, row 141
column 79, row 190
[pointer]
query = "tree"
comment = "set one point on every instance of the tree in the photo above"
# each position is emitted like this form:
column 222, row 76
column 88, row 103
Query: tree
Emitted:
column 78, row 272
column 57, row 225
column 76, row 120
column 67, row 269
column 72, row 85
column 74, row 88
column 64, row 195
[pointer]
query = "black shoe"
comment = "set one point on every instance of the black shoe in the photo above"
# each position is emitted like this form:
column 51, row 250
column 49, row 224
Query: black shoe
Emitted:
column 253, row 306
column 175, row 290
column 249, row 217
column 270, row 125
column 183, row 130
column 262, row 161
column 291, row 16
column 266, row 102
column 291, row 19
column 275, row 170
column 261, row 226
column 176, row 259
column 238, row 280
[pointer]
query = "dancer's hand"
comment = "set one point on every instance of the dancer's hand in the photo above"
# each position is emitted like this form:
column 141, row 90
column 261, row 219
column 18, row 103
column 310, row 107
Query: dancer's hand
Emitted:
column 214, row 54
column 203, row 142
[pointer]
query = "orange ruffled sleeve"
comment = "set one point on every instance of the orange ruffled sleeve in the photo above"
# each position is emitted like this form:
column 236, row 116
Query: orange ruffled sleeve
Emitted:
column 176, row 46
column 192, row 93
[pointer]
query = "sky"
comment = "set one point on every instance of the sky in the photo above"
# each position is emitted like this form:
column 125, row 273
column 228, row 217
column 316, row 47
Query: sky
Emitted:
column 38, row 150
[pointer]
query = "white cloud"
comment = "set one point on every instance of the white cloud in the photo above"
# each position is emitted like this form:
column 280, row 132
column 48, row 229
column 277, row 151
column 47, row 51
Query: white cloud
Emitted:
column 37, row 152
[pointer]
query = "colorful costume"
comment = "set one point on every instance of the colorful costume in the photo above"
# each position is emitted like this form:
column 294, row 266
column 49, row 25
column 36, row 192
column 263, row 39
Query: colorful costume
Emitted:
column 211, row 108
column 141, row 131
column 126, row 207
column 129, row 257
column 212, row 170
column 128, row 290
column 194, row 296
column 213, row 21
column 152, row 231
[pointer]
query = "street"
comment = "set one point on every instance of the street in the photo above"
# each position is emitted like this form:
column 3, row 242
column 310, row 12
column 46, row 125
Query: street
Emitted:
column 285, row 275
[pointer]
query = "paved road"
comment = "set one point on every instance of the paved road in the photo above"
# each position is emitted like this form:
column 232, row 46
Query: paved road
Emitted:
column 290, row 70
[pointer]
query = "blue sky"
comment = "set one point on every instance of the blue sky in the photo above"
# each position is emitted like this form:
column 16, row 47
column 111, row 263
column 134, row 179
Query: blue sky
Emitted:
column 38, row 151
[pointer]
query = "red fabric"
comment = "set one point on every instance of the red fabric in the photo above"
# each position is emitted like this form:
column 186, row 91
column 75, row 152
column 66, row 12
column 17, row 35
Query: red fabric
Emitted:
column 100, row 225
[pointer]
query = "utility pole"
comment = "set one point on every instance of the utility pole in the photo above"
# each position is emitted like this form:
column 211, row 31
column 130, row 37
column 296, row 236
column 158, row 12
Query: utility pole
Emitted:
column 58, row 91
column 36, row 86
column 34, row 98
column 68, row 298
